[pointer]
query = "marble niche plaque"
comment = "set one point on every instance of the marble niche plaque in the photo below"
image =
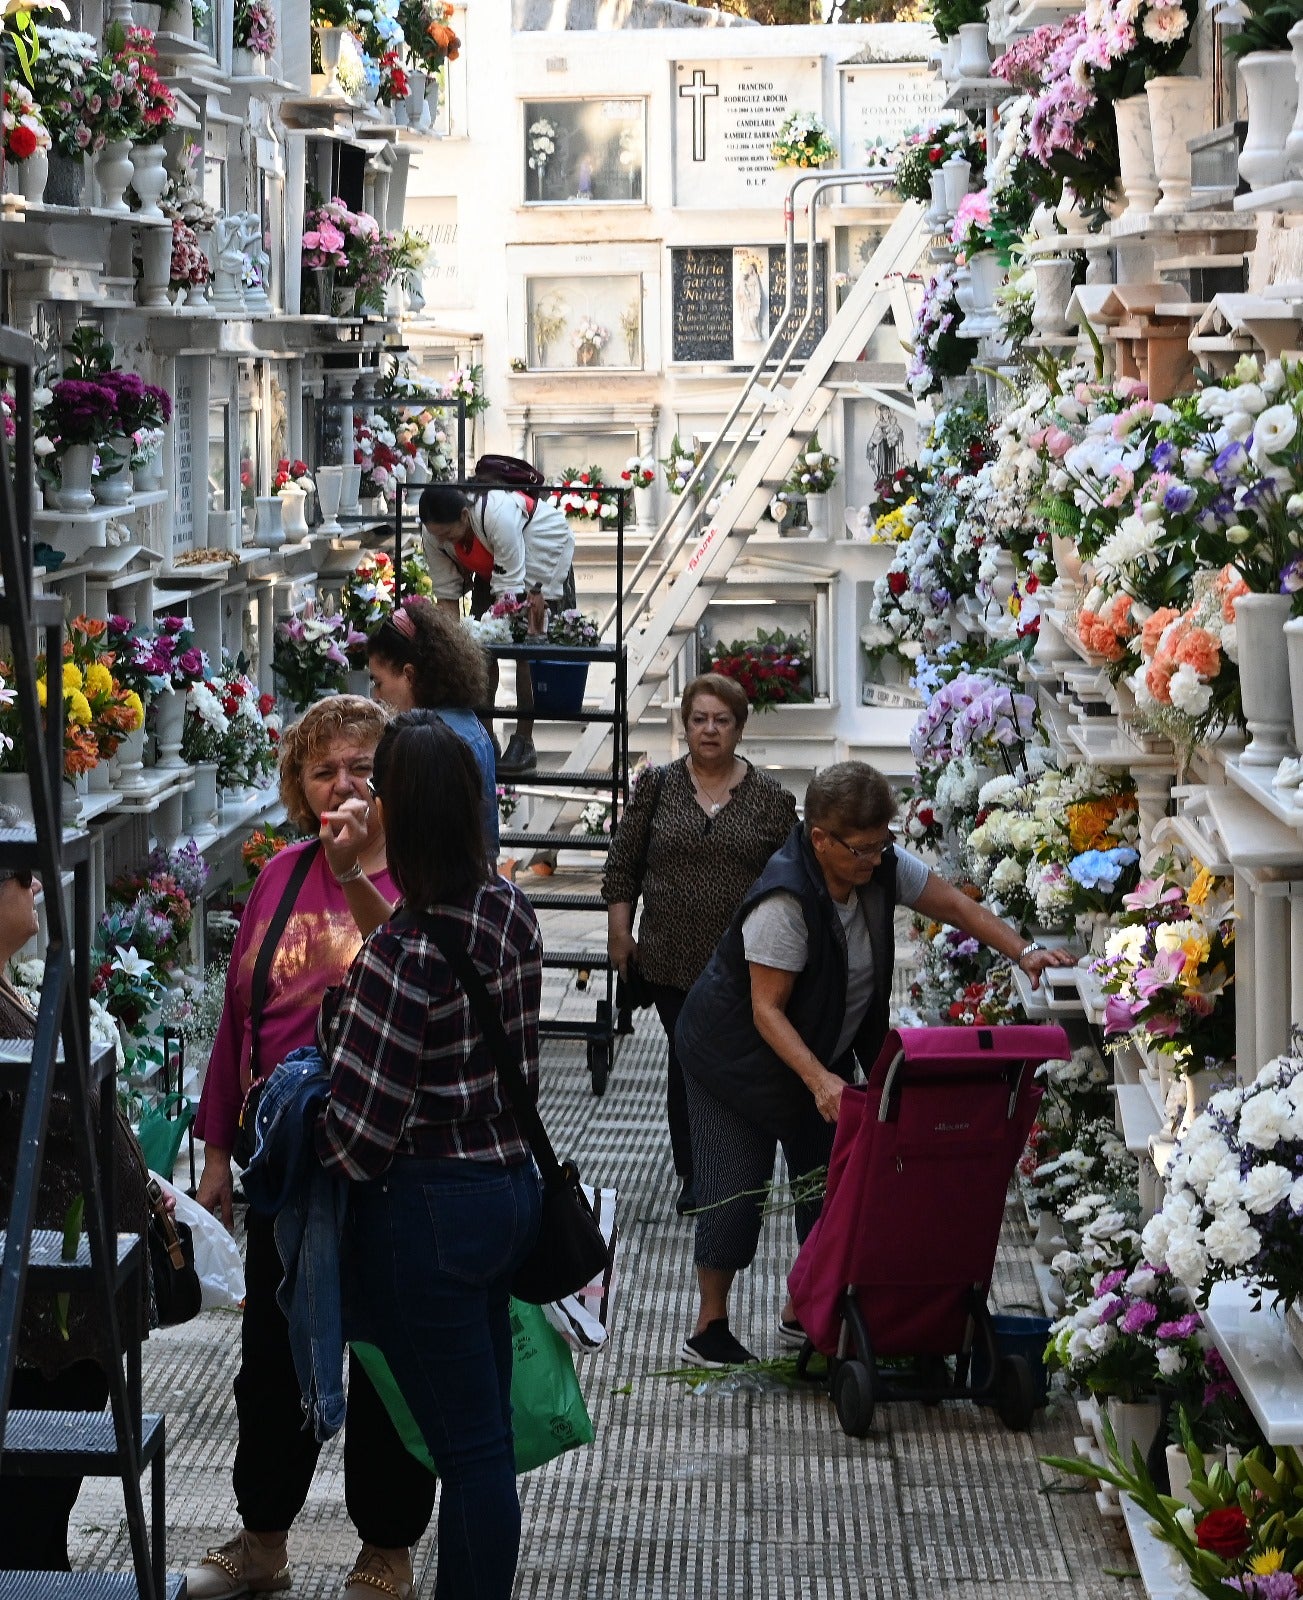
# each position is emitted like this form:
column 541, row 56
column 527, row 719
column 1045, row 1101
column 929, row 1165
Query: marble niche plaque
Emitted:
column 584, row 152
column 726, row 114
column 585, row 322
column 884, row 102
column 725, row 301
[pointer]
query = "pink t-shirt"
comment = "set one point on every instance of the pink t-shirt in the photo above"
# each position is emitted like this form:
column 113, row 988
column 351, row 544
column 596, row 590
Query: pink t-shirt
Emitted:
column 314, row 952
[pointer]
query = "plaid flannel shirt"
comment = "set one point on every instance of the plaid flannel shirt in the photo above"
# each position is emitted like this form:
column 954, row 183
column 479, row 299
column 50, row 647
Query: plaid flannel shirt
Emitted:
column 410, row 1073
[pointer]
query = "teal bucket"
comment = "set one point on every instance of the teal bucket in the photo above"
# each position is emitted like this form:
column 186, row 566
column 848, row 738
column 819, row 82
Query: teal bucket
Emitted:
column 1018, row 1336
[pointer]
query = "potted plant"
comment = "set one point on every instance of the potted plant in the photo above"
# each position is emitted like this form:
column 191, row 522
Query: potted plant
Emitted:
column 61, row 62
column 964, row 20
column 253, row 37
column 773, row 668
column 813, row 475
column 559, row 683
column 309, row 655
column 179, row 663
column 803, row 141
column 25, row 137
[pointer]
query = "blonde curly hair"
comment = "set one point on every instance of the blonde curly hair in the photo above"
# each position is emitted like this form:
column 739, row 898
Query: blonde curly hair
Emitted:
column 342, row 716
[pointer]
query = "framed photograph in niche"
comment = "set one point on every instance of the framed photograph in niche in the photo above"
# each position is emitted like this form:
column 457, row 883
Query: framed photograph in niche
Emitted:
column 584, row 152
column 585, row 322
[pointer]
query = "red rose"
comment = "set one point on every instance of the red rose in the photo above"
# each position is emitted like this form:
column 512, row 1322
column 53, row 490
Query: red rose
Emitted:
column 1224, row 1532
column 898, row 582
column 934, row 155
column 22, row 143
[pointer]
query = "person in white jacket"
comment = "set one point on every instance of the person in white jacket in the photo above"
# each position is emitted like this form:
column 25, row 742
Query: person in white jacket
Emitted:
column 494, row 543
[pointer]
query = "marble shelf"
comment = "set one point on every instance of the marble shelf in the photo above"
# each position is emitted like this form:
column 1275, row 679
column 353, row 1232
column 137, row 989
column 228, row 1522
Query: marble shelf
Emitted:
column 1138, row 1116
column 1161, row 1569
column 1058, row 995
column 976, row 92
column 1031, row 14
column 1261, row 844
column 1276, row 197
column 1104, row 746
column 1263, row 1362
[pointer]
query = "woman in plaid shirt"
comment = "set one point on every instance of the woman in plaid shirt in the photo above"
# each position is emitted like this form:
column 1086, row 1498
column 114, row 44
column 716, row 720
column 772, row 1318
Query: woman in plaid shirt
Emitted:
column 445, row 1198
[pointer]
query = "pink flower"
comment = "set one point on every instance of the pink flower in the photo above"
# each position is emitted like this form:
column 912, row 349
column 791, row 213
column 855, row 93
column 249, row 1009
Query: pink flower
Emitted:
column 1119, row 1014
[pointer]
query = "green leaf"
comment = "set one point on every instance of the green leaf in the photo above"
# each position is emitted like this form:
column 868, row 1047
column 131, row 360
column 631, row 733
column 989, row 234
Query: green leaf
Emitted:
column 71, row 1236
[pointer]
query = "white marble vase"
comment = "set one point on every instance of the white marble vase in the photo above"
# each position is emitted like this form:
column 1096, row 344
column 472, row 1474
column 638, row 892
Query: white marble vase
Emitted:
column 974, row 59
column 155, row 267
column 330, row 482
column 1264, row 677
column 113, row 174
column 1053, row 291
column 149, row 179
column 1136, row 155
column 33, row 174
column 1271, row 90
column 1294, row 142
column 1175, row 117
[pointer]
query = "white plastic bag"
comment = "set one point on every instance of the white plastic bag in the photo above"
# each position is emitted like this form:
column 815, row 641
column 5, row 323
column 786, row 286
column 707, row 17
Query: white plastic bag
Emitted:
column 583, row 1318
column 217, row 1256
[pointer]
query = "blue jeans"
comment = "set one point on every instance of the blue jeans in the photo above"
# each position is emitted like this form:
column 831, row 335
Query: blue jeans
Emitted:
column 430, row 1249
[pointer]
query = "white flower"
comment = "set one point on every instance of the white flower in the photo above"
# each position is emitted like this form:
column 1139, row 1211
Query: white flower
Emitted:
column 1263, row 1120
column 1274, row 429
column 1186, row 1256
column 1231, row 1238
column 1189, row 692
column 1266, row 1186
column 1170, row 1362
column 131, row 962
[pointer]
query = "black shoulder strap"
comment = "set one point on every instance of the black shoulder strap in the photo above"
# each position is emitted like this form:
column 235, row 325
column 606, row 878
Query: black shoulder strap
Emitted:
column 659, row 782
column 267, row 952
column 495, row 1036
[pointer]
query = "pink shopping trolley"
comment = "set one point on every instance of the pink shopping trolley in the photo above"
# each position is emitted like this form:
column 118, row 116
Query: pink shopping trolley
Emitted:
column 899, row 1264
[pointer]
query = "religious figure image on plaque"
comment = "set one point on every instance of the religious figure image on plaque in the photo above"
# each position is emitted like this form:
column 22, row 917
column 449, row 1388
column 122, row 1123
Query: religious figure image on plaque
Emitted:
column 885, row 449
column 750, row 297
column 584, row 152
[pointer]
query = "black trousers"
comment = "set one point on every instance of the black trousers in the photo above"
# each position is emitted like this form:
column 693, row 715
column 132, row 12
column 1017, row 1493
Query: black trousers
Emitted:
column 389, row 1494
column 34, row 1512
column 668, row 1003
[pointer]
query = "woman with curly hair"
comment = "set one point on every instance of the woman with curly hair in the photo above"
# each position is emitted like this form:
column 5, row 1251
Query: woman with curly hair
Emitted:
column 300, row 931
column 421, row 658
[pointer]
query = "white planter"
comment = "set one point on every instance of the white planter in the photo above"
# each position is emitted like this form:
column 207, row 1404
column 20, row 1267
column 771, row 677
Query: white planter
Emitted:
column 1294, row 143
column 955, row 172
column 1136, row 155
column 352, row 488
column 32, row 176
column 199, row 808
column 269, row 521
column 149, row 179
column 113, row 174
column 331, row 41
column 431, row 102
column 1271, row 91
column 1264, row 677
column 16, row 795
column 1175, row 117
column 145, row 15
column 1049, row 1238
column 115, row 490
column 329, row 481
column 1294, row 652
column 949, row 53
column 128, row 762
column 417, row 114
column 1135, row 1424
column 644, row 504
column 986, row 273
column 245, row 64
column 169, row 725
column 180, row 20
column 294, row 518
column 155, row 266
column 816, row 514
column 1053, row 291
column 936, row 213
column 74, row 491
column 974, row 59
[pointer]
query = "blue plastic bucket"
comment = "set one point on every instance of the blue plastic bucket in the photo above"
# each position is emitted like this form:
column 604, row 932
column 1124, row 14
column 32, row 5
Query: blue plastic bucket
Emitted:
column 558, row 686
column 1018, row 1336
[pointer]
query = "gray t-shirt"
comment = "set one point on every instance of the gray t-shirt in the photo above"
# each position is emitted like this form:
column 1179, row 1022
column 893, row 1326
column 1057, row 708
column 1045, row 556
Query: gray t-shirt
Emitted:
column 774, row 936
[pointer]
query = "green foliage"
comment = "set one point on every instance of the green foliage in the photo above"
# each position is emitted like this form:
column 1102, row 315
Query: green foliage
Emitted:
column 1265, row 27
column 948, row 16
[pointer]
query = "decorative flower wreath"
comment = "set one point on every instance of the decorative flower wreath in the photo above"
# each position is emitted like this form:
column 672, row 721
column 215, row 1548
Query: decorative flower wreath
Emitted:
column 803, row 141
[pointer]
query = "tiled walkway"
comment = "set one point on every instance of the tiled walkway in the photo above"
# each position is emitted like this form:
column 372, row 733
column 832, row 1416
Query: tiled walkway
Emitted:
column 722, row 1495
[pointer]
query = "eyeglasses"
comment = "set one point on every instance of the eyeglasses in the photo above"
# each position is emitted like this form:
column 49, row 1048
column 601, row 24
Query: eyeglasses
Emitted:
column 873, row 852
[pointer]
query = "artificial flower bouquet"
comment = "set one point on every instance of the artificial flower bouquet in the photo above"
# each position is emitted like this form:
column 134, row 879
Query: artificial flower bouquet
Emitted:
column 774, row 669
column 937, row 350
column 375, row 450
column 972, row 230
column 679, row 466
column 572, row 629
column 1187, row 686
column 59, row 69
column 126, row 985
column 584, row 495
column 366, row 598
column 803, row 141
column 815, row 471
column 310, row 654
column 639, row 472
column 262, row 844
column 926, row 150
column 21, row 124
column 116, row 709
column 247, row 753
column 189, row 267
column 292, row 476
column 425, row 27
column 254, row 27
column 1130, row 1337
column 1234, row 1194
column 205, row 725
column 1168, row 969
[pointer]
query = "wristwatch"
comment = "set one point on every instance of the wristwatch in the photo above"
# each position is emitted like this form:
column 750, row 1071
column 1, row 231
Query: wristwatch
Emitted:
column 1027, row 950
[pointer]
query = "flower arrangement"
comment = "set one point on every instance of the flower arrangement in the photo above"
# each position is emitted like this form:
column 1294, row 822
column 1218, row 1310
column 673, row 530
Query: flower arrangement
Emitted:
column 247, row 757
column 430, row 41
column 1168, row 969
column 773, row 668
column 310, row 654
column 1134, row 1332
column 189, row 259
column 589, row 339
column 639, row 472
column 133, row 58
column 584, row 495
column 679, row 465
column 366, row 598
column 595, row 817
column 126, row 985
column 971, row 231
column 948, row 16
column 205, row 725
column 803, row 141
column 115, row 708
column 937, row 350
column 176, row 656
column 465, row 383
column 573, row 629
column 254, row 27
column 375, row 450
column 926, row 150
column 542, row 147
column 59, row 68
column 262, row 844
column 292, row 477
column 394, row 82
column 23, row 129
column 815, row 471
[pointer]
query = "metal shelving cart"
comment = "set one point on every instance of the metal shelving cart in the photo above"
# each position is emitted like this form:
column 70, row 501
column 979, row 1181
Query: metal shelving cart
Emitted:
column 610, row 783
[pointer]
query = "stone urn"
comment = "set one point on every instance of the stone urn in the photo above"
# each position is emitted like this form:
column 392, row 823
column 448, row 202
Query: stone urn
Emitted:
column 1175, row 117
column 1271, row 90
column 1136, row 155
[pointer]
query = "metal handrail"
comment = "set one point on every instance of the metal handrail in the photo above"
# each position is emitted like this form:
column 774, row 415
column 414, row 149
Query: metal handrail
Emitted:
column 758, row 378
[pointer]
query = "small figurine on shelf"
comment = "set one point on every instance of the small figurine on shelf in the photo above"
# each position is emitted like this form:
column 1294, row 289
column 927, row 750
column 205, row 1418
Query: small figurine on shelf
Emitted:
column 257, row 262
column 227, row 292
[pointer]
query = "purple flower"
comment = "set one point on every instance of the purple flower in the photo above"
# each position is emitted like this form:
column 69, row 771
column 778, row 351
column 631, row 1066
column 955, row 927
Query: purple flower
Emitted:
column 1119, row 1014
column 1111, row 1281
column 1165, row 457
column 174, row 624
column 1182, row 1328
column 1112, row 1310
column 192, row 662
column 1140, row 1313
column 1230, row 462
column 1291, row 578
column 1179, row 499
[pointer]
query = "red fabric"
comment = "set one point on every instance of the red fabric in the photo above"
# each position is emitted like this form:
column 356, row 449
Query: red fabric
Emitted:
column 472, row 556
column 914, row 1204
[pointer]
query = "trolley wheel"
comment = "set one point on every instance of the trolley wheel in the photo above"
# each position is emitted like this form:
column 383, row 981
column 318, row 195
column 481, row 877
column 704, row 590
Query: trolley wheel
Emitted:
column 599, row 1064
column 1015, row 1393
column 852, row 1396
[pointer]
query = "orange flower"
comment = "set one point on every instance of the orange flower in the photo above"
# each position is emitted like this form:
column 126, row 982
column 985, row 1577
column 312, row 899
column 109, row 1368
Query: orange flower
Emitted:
column 1158, row 679
column 80, row 752
column 1089, row 821
column 1199, row 649
column 445, row 39
column 1153, row 629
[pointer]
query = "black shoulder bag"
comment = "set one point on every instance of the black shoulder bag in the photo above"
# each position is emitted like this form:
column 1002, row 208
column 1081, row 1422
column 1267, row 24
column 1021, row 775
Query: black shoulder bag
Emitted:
column 635, row 991
column 246, row 1136
column 570, row 1250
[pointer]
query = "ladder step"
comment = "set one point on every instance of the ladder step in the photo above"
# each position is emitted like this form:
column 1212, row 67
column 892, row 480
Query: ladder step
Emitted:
column 557, row 841
column 574, row 1030
column 506, row 713
column 46, row 1268
column 82, row 1586
column 560, row 780
column 71, row 1443
column 16, row 1062
column 586, row 960
column 558, row 900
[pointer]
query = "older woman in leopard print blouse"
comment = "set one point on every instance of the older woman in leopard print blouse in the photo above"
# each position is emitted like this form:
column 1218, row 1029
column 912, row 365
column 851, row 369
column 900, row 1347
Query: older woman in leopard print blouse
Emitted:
column 695, row 837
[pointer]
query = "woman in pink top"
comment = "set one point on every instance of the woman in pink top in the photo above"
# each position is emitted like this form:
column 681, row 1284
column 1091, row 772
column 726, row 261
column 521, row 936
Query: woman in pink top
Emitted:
column 325, row 762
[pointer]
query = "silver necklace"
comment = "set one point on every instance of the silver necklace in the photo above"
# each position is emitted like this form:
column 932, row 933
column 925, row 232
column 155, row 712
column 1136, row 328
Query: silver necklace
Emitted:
column 716, row 806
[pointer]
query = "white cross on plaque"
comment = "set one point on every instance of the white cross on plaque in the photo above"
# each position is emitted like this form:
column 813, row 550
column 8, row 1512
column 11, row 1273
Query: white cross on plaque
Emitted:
column 698, row 91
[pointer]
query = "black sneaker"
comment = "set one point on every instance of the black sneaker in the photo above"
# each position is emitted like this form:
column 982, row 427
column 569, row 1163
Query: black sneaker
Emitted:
column 715, row 1346
column 518, row 758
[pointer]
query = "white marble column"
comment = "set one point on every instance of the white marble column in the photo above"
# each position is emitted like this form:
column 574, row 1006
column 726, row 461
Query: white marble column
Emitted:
column 1153, row 790
column 1265, row 968
column 266, row 621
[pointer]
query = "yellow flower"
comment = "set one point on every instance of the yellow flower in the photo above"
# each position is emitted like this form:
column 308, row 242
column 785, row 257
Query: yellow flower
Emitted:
column 1201, row 888
column 1269, row 1561
column 72, row 678
column 40, row 690
column 99, row 680
column 1195, row 951
column 136, row 706
column 78, row 708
